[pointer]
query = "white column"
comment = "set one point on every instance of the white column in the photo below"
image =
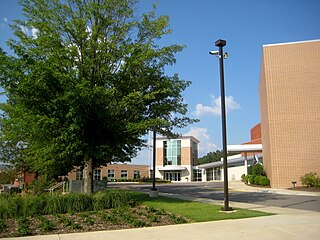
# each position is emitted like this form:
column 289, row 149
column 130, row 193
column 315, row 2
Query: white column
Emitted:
column 246, row 163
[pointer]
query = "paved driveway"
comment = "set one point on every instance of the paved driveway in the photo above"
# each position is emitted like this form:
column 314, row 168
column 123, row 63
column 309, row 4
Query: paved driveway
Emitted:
column 214, row 190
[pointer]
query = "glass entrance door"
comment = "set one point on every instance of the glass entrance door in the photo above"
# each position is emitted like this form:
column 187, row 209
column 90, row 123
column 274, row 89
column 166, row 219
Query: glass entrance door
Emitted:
column 168, row 176
column 177, row 176
column 217, row 174
column 173, row 176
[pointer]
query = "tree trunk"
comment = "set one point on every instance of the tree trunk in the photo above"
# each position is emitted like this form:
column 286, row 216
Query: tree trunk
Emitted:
column 88, row 177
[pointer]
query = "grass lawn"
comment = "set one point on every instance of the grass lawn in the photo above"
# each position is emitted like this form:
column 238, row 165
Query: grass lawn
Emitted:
column 196, row 211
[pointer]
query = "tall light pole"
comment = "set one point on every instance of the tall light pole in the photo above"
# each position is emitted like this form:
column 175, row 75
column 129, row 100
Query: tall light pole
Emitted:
column 221, row 43
column 154, row 161
column 154, row 192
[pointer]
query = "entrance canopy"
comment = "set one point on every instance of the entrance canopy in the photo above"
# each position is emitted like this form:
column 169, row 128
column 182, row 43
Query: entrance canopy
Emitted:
column 257, row 157
column 245, row 148
column 171, row 168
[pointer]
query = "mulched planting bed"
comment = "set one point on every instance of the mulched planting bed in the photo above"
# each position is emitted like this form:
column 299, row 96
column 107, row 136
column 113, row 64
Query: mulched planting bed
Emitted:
column 110, row 219
column 307, row 189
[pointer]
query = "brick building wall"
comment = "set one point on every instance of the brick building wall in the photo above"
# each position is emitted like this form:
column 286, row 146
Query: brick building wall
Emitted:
column 290, row 116
column 144, row 171
column 255, row 134
column 189, row 158
column 186, row 153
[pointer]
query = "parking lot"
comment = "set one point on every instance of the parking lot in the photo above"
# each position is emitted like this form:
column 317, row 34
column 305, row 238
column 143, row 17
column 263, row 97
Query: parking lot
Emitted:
column 214, row 191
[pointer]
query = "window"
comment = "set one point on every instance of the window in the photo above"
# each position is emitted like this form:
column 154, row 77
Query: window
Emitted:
column 136, row 174
column 197, row 175
column 194, row 153
column 110, row 175
column 97, row 174
column 172, row 152
column 79, row 175
column 217, row 174
column 209, row 174
column 124, row 174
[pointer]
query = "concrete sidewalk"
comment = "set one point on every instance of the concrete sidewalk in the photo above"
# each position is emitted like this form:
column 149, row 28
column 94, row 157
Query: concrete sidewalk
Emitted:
column 240, row 186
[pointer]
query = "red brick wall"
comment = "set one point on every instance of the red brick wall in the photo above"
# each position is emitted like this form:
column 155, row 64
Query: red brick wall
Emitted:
column 28, row 177
column 256, row 132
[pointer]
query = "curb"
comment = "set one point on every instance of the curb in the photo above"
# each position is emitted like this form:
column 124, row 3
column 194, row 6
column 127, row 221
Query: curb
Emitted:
column 277, row 191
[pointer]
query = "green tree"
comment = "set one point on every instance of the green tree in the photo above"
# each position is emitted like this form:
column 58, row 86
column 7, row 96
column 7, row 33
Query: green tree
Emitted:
column 86, row 82
column 8, row 176
column 213, row 157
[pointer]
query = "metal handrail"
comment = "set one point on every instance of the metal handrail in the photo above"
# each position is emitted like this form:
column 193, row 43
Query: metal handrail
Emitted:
column 60, row 184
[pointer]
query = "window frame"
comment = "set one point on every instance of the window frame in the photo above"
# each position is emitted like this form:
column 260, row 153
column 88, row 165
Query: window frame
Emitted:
column 97, row 174
column 111, row 172
column 122, row 172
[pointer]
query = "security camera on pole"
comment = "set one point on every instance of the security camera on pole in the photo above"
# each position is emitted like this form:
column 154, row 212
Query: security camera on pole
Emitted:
column 221, row 43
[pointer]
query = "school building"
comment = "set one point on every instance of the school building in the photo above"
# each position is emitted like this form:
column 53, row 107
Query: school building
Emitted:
column 290, row 111
column 111, row 172
column 176, row 158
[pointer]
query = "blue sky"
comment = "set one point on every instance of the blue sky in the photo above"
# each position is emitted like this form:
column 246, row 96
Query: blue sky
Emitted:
column 246, row 25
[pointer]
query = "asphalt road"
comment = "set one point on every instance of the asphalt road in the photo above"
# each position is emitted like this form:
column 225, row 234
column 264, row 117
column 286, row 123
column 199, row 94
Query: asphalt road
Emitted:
column 214, row 190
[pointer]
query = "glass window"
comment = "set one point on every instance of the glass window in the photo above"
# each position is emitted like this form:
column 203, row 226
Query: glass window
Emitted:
column 209, row 174
column 136, row 174
column 79, row 175
column 124, row 174
column 197, row 175
column 110, row 175
column 172, row 152
column 97, row 174
column 217, row 174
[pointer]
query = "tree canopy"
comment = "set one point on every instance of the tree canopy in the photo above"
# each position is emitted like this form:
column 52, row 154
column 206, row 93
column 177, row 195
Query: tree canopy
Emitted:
column 211, row 157
column 86, row 82
column 214, row 157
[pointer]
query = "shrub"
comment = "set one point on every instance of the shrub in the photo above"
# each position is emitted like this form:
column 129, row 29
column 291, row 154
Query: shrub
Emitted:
column 111, row 198
column 264, row 181
column 310, row 180
column 245, row 178
column 33, row 205
column 23, row 227
column 261, row 180
column 10, row 206
column 251, row 179
column 256, row 175
column 45, row 224
column 257, row 170
column 3, row 225
column 256, row 180
column 17, row 206
column 70, row 203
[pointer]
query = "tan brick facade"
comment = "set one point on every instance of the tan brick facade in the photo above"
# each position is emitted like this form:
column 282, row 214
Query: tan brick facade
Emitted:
column 290, row 111
column 117, row 168
column 189, row 158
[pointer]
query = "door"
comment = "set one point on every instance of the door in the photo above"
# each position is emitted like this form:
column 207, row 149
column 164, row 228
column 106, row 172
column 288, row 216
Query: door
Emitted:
column 168, row 176
column 177, row 176
column 217, row 174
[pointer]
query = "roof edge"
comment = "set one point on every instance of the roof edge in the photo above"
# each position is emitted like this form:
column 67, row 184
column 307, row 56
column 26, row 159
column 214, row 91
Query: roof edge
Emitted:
column 287, row 43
